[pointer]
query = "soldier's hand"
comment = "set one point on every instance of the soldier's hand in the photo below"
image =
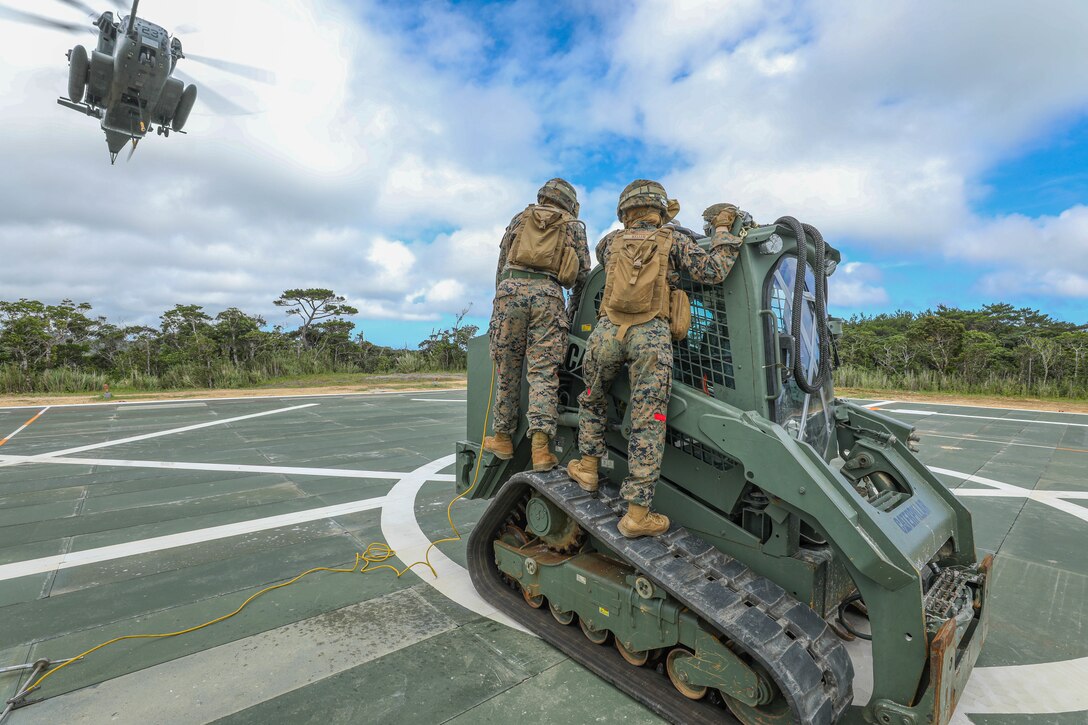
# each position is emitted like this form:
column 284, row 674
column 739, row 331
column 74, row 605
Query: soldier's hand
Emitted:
column 725, row 218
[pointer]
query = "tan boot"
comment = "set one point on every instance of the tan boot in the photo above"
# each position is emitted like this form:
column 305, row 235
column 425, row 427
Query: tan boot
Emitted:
column 584, row 471
column 501, row 445
column 641, row 521
column 543, row 458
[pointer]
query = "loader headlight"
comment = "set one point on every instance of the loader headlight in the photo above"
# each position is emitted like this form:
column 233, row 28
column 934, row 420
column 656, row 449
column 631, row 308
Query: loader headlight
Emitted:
column 773, row 245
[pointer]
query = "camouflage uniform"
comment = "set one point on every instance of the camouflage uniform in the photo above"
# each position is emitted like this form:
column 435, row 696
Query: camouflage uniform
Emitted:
column 529, row 322
column 647, row 351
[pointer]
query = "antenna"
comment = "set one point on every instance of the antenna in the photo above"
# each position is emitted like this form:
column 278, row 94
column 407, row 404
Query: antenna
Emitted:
column 132, row 18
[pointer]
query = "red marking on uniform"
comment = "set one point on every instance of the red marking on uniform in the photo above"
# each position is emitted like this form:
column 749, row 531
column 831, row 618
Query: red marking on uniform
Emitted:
column 660, row 417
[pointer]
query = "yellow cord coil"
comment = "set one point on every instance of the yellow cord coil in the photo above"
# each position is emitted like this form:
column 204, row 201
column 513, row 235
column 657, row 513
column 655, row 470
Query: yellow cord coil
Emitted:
column 371, row 559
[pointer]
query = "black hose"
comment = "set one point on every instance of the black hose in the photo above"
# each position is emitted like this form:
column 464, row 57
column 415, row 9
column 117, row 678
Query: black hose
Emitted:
column 801, row 233
column 842, row 619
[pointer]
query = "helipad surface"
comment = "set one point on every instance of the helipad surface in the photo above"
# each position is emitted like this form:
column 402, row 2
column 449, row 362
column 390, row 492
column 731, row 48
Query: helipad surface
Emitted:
column 141, row 518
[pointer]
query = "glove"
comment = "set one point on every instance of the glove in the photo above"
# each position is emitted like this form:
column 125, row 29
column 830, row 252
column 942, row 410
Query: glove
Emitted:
column 725, row 218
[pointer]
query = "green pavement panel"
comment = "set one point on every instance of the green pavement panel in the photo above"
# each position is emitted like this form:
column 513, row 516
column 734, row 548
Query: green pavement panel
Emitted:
column 91, row 608
column 566, row 692
column 225, row 679
column 19, row 591
column 430, row 682
column 39, row 512
column 1046, row 535
column 32, row 550
column 1064, row 718
column 1037, row 609
column 33, row 498
column 311, row 596
column 174, row 488
column 233, row 507
column 184, row 557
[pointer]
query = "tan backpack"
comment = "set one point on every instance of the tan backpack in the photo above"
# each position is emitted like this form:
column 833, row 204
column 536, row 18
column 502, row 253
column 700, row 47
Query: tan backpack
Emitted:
column 540, row 244
column 636, row 286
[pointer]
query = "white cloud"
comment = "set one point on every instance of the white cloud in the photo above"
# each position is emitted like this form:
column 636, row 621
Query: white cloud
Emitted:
column 1046, row 256
column 856, row 285
column 385, row 166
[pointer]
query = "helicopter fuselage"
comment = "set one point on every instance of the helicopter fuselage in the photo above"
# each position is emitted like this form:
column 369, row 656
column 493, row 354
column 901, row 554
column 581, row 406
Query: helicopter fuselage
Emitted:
column 142, row 63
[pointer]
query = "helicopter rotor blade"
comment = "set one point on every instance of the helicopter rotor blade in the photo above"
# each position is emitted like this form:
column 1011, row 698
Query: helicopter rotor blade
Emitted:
column 217, row 102
column 79, row 5
column 239, row 69
column 42, row 21
column 186, row 29
column 121, row 5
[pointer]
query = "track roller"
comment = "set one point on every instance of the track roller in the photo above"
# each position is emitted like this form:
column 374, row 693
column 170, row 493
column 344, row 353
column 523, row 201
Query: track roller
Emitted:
column 563, row 618
column 677, row 676
column 596, row 636
column 638, row 659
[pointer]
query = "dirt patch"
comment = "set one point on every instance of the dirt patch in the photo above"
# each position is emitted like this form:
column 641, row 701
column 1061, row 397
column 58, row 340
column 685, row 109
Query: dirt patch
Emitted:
column 981, row 401
column 414, row 383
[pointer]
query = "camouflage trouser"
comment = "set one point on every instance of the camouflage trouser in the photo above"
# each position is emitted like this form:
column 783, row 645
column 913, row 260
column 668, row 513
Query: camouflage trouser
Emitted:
column 647, row 350
column 528, row 322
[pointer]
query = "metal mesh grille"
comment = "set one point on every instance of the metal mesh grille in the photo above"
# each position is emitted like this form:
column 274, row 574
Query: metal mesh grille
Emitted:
column 704, row 359
column 697, row 450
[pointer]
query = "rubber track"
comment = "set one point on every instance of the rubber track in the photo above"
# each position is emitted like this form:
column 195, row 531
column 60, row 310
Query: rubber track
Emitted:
column 801, row 653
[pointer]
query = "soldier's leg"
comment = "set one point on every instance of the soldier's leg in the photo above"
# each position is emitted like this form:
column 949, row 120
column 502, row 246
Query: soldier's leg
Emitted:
column 509, row 327
column 601, row 364
column 547, row 333
column 649, row 356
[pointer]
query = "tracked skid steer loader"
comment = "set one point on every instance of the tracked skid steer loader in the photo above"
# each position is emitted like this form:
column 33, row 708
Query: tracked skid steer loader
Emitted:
column 796, row 517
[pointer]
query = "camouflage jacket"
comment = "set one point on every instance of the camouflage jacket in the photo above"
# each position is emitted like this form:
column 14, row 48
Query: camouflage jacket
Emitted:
column 576, row 237
column 703, row 266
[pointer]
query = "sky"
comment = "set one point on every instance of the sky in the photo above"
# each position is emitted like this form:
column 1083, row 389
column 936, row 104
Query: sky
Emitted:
column 942, row 147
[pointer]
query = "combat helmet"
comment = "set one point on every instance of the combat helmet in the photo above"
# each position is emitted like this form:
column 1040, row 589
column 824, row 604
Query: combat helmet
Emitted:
column 646, row 193
column 560, row 192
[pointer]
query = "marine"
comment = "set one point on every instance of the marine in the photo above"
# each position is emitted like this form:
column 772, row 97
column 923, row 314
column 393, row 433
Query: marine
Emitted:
column 642, row 311
column 543, row 250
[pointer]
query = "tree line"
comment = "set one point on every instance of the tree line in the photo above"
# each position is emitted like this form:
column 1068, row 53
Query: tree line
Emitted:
column 999, row 349
column 65, row 347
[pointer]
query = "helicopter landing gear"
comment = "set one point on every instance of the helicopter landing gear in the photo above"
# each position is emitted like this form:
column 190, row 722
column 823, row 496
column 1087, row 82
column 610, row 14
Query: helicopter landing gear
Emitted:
column 163, row 131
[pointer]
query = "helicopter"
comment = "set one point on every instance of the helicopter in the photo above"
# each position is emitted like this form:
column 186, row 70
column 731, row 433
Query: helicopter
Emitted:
column 130, row 81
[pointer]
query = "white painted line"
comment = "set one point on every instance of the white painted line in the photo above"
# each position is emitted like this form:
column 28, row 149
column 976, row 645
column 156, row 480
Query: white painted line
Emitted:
column 18, row 430
column 1054, row 499
column 1048, row 687
column 401, row 531
column 973, row 478
column 881, row 404
column 973, row 439
column 158, row 434
column 123, row 403
column 440, row 400
column 905, row 411
column 226, row 467
column 172, row 541
column 163, row 406
column 985, row 407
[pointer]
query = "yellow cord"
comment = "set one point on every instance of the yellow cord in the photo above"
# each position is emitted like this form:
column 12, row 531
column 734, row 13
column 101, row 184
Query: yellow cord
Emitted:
column 371, row 558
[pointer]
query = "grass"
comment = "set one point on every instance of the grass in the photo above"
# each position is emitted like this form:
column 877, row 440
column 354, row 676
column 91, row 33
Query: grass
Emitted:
column 286, row 385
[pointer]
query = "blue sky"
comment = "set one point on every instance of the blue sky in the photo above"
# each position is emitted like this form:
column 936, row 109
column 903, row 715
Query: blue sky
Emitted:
column 942, row 147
